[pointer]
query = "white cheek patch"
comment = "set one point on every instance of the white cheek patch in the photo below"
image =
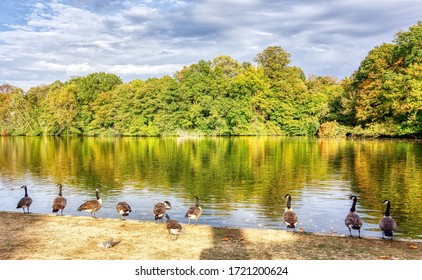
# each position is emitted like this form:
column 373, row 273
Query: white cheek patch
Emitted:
column 174, row 231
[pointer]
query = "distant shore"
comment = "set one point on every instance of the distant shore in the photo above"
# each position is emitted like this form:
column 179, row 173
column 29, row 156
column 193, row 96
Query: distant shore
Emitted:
column 50, row 237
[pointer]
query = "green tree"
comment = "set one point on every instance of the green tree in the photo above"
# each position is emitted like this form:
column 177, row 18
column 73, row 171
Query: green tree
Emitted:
column 16, row 116
column 388, row 86
column 60, row 108
column 87, row 90
column 273, row 60
column 408, row 46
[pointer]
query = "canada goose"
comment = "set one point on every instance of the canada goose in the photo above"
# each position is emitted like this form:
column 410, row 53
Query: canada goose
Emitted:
column 173, row 227
column 123, row 209
column 353, row 220
column 289, row 217
column 195, row 211
column 59, row 202
column 92, row 206
column 25, row 201
column 160, row 210
column 387, row 224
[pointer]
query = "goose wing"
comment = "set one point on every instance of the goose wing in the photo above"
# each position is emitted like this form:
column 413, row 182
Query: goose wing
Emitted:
column 159, row 209
column 174, row 227
column 387, row 224
column 193, row 212
column 24, row 202
column 290, row 218
column 123, row 207
column 353, row 220
column 59, row 203
column 90, row 205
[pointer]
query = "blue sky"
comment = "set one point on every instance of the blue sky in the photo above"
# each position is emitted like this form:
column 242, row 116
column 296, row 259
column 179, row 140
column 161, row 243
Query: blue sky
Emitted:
column 44, row 41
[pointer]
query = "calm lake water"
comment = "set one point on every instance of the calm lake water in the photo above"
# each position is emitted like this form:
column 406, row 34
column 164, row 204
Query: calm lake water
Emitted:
column 241, row 181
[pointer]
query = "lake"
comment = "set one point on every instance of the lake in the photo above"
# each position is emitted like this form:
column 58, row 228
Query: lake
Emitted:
column 241, row 181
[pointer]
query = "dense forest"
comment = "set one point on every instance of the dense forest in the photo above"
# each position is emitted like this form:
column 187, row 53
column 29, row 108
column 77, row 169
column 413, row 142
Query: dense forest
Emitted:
column 268, row 96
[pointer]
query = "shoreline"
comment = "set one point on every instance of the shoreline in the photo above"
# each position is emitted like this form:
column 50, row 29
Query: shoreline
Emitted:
column 51, row 237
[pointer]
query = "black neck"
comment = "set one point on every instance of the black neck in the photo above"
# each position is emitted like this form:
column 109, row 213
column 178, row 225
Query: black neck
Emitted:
column 60, row 190
column 289, row 202
column 387, row 210
column 26, row 191
column 353, row 208
column 197, row 202
column 97, row 194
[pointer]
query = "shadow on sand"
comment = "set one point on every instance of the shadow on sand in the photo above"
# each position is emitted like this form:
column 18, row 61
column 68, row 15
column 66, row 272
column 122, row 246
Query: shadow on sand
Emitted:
column 228, row 244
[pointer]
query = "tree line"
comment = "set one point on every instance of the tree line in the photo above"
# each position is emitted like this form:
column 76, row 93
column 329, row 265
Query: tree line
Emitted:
column 383, row 97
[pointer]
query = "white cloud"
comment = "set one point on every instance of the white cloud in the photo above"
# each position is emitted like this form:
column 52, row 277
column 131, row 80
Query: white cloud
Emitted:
column 69, row 69
column 149, row 70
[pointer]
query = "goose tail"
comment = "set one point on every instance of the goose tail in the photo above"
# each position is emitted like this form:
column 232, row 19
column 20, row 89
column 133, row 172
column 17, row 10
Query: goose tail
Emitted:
column 388, row 233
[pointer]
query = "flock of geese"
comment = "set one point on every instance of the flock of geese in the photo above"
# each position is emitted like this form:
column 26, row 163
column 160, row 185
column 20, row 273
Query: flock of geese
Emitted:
column 123, row 209
column 352, row 220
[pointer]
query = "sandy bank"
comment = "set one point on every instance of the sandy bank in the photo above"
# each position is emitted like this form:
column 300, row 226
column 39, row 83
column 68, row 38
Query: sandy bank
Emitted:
column 50, row 237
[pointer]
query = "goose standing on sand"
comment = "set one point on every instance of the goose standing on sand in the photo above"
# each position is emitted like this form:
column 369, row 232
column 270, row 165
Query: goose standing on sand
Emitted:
column 25, row 201
column 289, row 217
column 194, row 212
column 387, row 224
column 173, row 227
column 92, row 206
column 353, row 220
column 160, row 210
column 59, row 202
column 123, row 209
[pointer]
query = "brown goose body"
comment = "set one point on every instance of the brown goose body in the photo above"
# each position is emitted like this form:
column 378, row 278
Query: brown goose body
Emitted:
column 194, row 212
column 59, row 202
column 387, row 223
column 352, row 220
column 160, row 210
column 25, row 201
column 289, row 217
column 173, row 227
column 123, row 209
column 92, row 206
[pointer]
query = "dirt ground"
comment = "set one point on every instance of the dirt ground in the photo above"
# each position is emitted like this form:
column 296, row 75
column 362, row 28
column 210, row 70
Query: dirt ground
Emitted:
column 50, row 237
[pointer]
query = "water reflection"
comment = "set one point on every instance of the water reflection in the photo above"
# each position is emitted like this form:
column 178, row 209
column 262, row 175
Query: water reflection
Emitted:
column 241, row 181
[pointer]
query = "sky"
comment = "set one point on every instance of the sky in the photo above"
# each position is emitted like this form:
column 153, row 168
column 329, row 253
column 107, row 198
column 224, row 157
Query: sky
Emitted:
column 45, row 41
